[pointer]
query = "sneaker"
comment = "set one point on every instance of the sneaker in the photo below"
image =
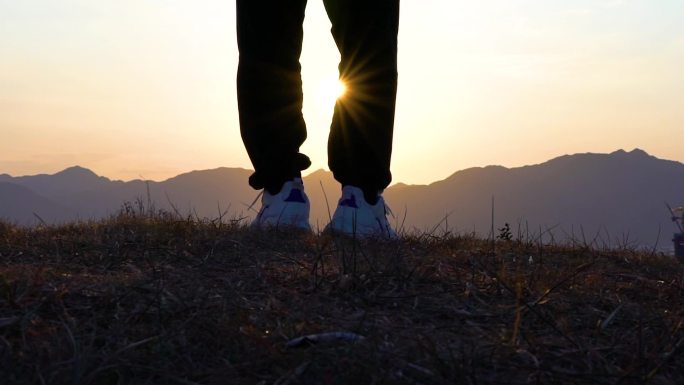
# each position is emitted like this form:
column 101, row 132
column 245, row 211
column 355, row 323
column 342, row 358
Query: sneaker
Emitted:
column 355, row 217
column 290, row 207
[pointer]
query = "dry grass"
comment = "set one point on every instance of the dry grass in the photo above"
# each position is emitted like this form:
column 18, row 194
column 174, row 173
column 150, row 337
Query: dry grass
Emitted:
column 148, row 298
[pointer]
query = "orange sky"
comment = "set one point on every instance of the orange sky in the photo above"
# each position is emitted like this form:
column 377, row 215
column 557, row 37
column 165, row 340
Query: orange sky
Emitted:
column 133, row 88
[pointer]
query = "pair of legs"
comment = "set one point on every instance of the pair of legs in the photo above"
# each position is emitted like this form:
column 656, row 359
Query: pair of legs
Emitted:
column 270, row 91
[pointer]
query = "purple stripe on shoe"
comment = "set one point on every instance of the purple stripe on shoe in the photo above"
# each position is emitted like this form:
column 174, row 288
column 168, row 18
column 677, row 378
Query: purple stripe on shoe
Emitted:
column 296, row 196
column 349, row 202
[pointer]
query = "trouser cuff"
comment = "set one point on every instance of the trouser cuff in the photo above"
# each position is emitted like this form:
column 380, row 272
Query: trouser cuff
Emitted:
column 277, row 171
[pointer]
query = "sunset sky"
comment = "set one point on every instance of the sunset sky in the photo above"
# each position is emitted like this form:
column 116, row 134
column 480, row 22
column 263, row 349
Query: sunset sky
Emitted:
column 146, row 88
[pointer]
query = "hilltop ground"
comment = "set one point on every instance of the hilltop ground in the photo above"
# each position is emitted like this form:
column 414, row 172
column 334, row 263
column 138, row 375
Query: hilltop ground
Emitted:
column 148, row 298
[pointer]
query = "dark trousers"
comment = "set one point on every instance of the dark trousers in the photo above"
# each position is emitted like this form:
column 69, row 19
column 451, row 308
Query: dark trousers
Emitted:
column 270, row 94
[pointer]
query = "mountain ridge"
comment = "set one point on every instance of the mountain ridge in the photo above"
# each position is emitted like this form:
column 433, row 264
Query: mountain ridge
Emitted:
column 622, row 191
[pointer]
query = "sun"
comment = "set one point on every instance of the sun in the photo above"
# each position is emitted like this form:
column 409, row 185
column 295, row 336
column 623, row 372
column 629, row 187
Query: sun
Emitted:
column 339, row 88
column 329, row 90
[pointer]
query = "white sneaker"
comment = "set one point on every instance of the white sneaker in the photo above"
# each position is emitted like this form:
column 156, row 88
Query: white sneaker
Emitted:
column 355, row 217
column 290, row 207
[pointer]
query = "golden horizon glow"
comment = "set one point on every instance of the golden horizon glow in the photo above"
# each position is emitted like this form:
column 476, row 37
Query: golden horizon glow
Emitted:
column 129, row 88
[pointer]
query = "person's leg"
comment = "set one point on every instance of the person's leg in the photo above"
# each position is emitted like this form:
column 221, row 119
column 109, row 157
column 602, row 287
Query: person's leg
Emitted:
column 360, row 142
column 269, row 88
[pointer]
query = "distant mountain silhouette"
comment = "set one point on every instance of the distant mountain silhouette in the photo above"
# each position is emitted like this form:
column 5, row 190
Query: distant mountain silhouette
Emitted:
column 63, row 184
column 619, row 196
column 199, row 193
column 19, row 204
